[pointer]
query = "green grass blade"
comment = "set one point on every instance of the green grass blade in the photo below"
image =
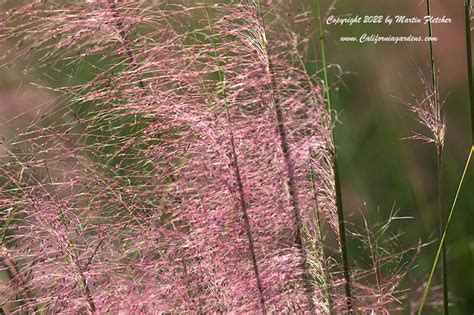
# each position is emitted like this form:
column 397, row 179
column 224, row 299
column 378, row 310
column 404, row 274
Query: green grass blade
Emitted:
column 467, row 17
column 339, row 204
column 430, row 34
column 443, row 237
column 440, row 148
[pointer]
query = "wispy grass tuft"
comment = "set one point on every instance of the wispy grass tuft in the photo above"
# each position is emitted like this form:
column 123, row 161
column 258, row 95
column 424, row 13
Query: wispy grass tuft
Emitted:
column 289, row 164
column 236, row 168
column 318, row 239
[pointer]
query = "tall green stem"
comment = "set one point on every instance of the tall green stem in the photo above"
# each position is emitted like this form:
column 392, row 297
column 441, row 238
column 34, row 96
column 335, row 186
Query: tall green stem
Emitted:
column 439, row 156
column 443, row 237
column 444, row 271
column 430, row 34
column 339, row 204
column 467, row 17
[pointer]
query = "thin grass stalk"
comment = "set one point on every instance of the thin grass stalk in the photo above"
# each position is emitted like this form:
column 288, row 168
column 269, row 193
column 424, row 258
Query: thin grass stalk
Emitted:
column 12, row 270
column 373, row 245
column 339, row 204
column 317, row 216
column 439, row 157
column 441, row 215
column 320, row 238
column 467, row 18
column 237, row 173
column 127, row 47
column 126, row 42
column 72, row 255
column 430, row 34
column 290, row 181
column 443, row 237
column 14, row 274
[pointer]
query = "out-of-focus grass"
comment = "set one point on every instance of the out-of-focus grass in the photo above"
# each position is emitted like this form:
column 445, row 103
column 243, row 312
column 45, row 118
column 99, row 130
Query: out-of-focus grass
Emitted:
column 379, row 169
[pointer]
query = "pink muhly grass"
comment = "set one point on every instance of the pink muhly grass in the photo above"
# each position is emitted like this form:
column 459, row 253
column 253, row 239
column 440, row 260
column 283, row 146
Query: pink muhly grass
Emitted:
column 285, row 148
column 188, row 171
column 238, row 175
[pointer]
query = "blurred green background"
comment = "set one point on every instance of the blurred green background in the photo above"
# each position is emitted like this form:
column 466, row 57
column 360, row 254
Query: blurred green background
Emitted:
column 379, row 170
